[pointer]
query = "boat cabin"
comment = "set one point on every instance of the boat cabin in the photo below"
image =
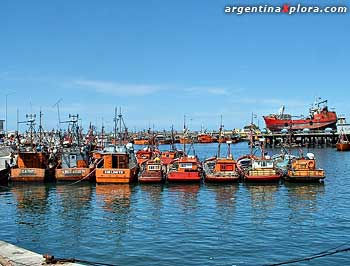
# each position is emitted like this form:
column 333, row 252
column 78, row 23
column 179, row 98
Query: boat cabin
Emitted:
column 225, row 165
column 31, row 160
column 303, row 164
column 73, row 159
column 262, row 164
column 188, row 164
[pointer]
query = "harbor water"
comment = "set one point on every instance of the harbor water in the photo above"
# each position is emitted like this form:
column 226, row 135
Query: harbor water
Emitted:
column 185, row 224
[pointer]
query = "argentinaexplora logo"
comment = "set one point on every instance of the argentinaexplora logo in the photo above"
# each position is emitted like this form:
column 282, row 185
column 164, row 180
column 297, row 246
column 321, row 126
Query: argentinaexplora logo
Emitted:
column 285, row 9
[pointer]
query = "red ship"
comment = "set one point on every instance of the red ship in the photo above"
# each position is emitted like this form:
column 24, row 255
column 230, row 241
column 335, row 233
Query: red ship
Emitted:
column 319, row 118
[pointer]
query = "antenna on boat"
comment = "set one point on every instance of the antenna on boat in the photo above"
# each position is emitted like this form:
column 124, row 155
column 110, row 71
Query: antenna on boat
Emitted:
column 58, row 112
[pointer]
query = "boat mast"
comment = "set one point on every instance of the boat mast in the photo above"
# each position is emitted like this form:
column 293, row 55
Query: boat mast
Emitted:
column 115, row 128
column 220, row 132
column 40, row 127
column 120, row 125
column 251, row 136
column 185, row 134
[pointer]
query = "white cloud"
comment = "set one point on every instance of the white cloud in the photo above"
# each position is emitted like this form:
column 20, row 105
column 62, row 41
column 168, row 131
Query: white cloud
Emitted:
column 115, row 88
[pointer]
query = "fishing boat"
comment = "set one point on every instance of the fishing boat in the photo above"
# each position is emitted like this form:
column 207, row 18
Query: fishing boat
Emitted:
column 257, row 169
column 319, row 118
column 34, row 162
column 343, row 143
column 119, row 161
column 185, row 168
column 219, row 169
column 204, row 138
column 152, row 171
column 303, row 169
column 74, row 158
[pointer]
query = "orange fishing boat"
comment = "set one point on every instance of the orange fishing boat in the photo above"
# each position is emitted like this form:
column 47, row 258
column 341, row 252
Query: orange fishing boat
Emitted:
column 74, row 161
column 343, row 143
column 204, row 138
column 33, row 163
column 119, row 161
column 138, row 141
column 32, row 167
column 153, row 172
column 218, row 169
column 304, row 169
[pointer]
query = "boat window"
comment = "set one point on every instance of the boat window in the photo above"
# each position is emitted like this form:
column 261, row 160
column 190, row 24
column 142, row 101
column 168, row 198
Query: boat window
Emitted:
column 154, row 167
column 186, row 165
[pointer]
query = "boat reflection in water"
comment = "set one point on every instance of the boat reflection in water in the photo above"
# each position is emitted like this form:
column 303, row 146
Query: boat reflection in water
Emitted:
column 115, row 197
column 31, row 198
column 225, row 198
column 152, row 193
column 263, row 200
column 303, row 199
column 185, row 195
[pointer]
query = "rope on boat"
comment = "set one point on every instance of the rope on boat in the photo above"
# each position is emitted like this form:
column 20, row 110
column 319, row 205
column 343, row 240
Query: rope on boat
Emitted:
column 49, row 259
column 89, row 174
column 325, row 253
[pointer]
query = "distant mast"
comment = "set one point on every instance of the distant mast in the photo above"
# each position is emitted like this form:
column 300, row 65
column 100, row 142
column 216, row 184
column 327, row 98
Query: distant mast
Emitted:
column 220, row 133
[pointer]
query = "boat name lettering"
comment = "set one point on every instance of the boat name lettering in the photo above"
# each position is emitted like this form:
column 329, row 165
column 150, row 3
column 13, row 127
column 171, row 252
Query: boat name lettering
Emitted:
column 73, row 172
column 27, row 171
column 186, row 165
column 113, row 172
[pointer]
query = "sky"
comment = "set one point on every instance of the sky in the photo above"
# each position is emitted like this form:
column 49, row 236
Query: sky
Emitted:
column 161, row 60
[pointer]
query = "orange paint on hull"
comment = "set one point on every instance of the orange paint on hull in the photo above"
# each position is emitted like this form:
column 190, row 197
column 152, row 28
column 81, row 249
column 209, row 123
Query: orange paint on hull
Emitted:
column 27, row 175
column 73, row 174
column 184, row 177
column 113, row 175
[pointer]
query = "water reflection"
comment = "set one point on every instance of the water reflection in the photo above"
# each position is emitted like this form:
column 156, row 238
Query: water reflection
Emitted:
column 262, row 200
column 302, row 199
column 186, row 195
column 153, row 194
column 116, row 197
column 31, row 198
column 225, row 198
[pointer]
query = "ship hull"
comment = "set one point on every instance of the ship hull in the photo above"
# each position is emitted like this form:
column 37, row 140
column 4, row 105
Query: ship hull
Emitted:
column 275, row 124
column 217, row 178
column 184, row 177
column 305, row 176
column 74, row 174
column 30, row 175
column 151, row 177
column 343, row 146
column 113, row 175
column 262, row 178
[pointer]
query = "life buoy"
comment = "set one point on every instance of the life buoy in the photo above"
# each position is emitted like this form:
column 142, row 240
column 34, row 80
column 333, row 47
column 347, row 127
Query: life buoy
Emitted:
column 311, row 164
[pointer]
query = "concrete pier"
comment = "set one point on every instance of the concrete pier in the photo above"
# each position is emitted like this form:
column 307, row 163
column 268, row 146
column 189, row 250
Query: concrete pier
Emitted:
column 11, row 255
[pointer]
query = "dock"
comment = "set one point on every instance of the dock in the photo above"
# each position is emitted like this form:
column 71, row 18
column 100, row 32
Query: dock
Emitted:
column 302, row 139
column 11, row 255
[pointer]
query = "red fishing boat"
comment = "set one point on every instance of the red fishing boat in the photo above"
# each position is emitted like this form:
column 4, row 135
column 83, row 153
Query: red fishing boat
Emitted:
column 319, row 118
column 186, row 168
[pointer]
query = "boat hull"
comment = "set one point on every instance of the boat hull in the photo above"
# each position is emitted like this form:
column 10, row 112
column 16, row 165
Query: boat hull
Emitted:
column 320, row 121
column 305, row 176
column 343, row 146
column 4, row 175
column 113, row 175
column 212, row 178
column 262, row 178
column 28, row 175
column 151, row 177
column 184, row 176
column 74, row 174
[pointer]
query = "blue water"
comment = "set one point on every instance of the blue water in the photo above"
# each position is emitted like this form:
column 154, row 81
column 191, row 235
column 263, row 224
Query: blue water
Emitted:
column 198, row 224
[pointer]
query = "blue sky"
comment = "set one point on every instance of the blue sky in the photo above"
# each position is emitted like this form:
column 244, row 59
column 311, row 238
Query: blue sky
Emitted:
column 159, row 60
